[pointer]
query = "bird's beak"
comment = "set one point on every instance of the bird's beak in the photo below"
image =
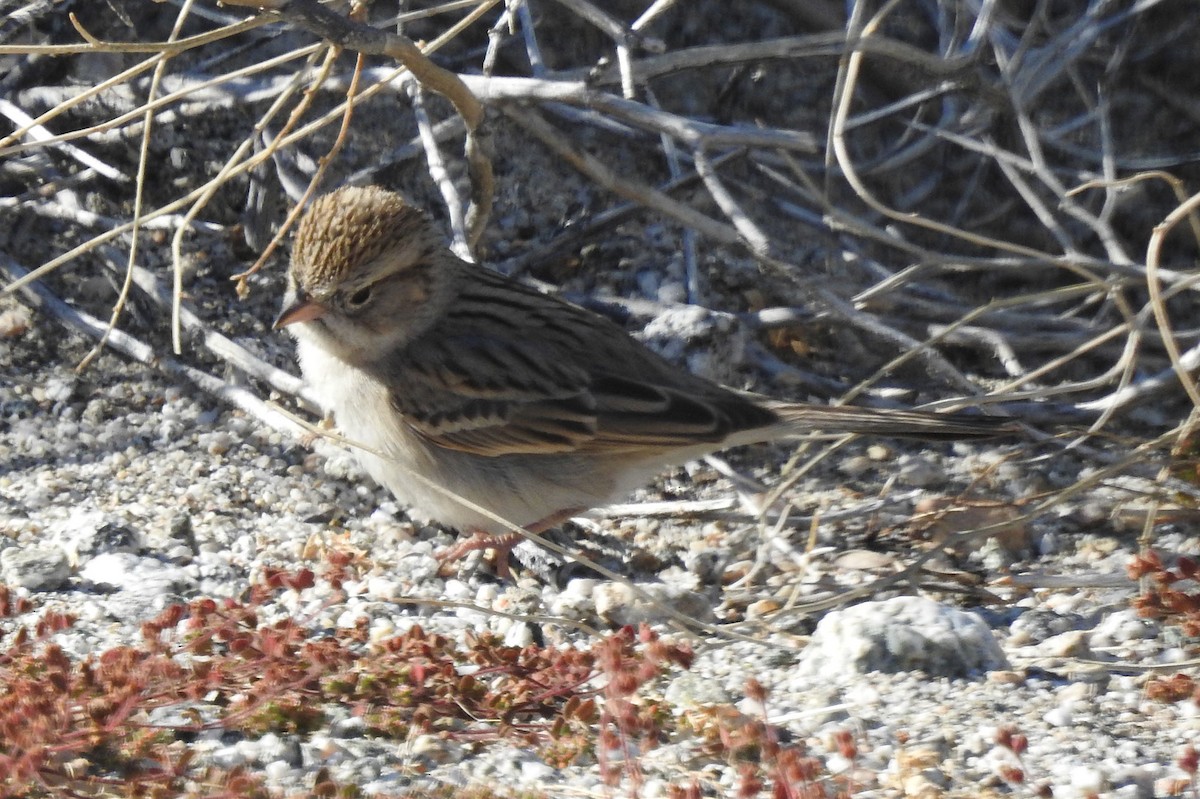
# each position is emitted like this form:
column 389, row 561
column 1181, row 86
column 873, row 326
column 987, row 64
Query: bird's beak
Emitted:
column 298, row 307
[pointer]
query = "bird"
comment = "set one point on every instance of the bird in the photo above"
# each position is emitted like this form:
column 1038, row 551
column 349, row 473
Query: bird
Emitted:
column 529, row 406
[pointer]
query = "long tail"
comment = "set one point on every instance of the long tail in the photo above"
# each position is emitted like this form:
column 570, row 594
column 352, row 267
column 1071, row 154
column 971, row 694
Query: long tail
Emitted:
column 888, row 422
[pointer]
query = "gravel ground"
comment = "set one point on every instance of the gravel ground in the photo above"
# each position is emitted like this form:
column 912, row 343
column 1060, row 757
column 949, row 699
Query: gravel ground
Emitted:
column 124, row 492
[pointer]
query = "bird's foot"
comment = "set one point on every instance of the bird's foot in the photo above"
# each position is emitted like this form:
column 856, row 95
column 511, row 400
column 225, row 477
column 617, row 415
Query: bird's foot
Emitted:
column 500, row 544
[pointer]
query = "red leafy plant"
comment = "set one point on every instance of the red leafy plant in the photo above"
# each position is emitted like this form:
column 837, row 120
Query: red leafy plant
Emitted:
column 82, row 727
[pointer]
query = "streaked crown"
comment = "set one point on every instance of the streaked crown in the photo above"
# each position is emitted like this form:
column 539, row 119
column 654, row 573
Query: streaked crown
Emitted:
column 350, row 229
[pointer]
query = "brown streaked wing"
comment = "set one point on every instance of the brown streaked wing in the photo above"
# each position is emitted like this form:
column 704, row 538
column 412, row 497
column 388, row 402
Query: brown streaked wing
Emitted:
column 531, row 428
column 510, row 371
column 636, row 414
column 470, row 394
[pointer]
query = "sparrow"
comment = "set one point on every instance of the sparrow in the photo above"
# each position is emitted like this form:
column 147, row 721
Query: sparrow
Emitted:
column 526, row 405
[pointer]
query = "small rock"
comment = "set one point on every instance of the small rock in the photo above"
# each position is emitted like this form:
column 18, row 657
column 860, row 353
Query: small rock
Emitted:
column 1060, row 716
column 1134, row 782
column 277, row 770
column 276, row 749
column 690, row 690
column 181, row 530
column 1077, row 691
column 1070, row 644
column 920, row 472
column 85, row 535
column 1006, row 677
column 15, row 322
column 855, row 466
column 1035, row 626
column 219, row 443
column 1005, row 527
column 518, row 635
column 736, row 571
column 35, row 568
column 536, row 773
column 902, row 634
column 436, row 749
column 712, row 344
column 619, row 604
column 919, row 786
column 58, row 389
column 351, row 727
column 762, row 608
column 1120, row 628
column 864, row 560
column 1087, row 780
column 141, row 575
column 383, row 589
column 878, row 452
column 576, row 599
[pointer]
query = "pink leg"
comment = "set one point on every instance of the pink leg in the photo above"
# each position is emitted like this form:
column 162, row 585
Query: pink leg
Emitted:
column 502, row 544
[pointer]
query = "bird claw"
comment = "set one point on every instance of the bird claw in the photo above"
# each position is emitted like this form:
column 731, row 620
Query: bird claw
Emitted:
column 501, row 545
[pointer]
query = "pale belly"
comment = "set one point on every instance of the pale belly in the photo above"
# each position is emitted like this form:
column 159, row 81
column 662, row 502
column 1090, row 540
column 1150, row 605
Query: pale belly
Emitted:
column 522, row 489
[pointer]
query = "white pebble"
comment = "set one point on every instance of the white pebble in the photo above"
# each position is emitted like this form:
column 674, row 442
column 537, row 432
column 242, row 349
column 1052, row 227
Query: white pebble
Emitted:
column 277, row 770
column 1060, row 716
column 518, row 635
column 382, row 588
column 1087, row 780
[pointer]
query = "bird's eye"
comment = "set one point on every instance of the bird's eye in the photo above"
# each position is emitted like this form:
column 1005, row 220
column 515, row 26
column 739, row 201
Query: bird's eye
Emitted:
column 361, row 296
